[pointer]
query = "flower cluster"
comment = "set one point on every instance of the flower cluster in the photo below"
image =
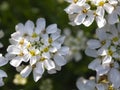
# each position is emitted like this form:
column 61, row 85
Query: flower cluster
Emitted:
column 3, row 61
column 106, row 51
column 37, row 48
column 86, row 11
column 76, row 43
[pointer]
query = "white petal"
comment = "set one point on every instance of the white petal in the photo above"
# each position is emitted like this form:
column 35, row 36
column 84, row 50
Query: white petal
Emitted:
column 89, row 20
column 16, row 61
column 33, row 60
column 101, row 34
column 59, row 60
column 93, row 44
column 20, row 27
column 63, row 50
column 107, row 60
column 94, row 64
column 113, row 18
column 29, row 26
column 12, row 49
column 100, row 11
column 39, row 68
column 100, row 21
column 102, row 70
column 102, row 51
column 79, row 19
column 36, row 76
column 46, row 55
column 1, row 82
column 100, row 87
column 40, row 25
column 114, row 77
column 49, row 64
column 72, row 8
column 56, row 34
column 109, row 8
column 81, row 2
column 2, row 74
column 3, row 61
column 26, row 71
column 51, row 28
column 91, row 52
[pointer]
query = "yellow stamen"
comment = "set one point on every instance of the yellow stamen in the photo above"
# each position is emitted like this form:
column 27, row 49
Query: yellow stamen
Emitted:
column 21, row 42
column 34, row 35
column 50, row 40
column 21, row 54
column 46, row 49
column 75, row 1
column 42, row 59
column 101, row 3
column 84, row 10
column 115, row 39
column 110, row 52
column 103, row 42
column 32, row 52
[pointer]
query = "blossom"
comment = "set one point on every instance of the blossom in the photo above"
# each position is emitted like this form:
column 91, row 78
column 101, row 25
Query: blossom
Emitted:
column 36, row 48
column 3, row 74
column 105, row 50
column 86, row 11
column 76, row 44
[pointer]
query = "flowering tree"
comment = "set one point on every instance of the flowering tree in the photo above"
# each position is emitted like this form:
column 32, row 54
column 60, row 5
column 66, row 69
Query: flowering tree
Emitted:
column 83, row 44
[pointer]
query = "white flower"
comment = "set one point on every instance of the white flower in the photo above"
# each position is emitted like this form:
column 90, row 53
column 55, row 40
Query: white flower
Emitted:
column 96, row 10
column 76, row 44
column 36, row 48
column 83, row 84
column 3, row 74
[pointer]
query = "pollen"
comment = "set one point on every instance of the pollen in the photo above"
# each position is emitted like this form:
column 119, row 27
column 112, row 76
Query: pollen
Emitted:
column 110, row 52
column 34, row 35
column 115, row 39
column 111, row 87
column 42, row 59
column 21, row 54
column 103, row 42
column 50, row 40
column 101, row 3
column 32, row 52
column 46, row 49
column 75, row 1
column 84, row 10
column 21, row 42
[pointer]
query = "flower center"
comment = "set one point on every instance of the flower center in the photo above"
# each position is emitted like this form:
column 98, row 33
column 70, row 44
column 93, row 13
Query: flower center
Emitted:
column 46, row 49
column 101, row 3
column 115, row 39
column 84, row 10
column 42, row 59
column 110, row 52
column 21, row 42
column 75, row 1
column 50, row 40
column 103, row 42
column 34, row 35
column 32, row 52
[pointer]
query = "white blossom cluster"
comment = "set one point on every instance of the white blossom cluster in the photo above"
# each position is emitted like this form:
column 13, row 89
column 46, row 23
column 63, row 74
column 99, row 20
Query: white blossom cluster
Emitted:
column 94, row 84
column 76, row 43
column 36, row 48
column 106, row 51
column 3, row 61
column 86, row 11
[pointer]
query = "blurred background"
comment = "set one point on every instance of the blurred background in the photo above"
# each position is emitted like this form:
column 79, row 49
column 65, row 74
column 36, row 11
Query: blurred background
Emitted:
column 13, row 12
